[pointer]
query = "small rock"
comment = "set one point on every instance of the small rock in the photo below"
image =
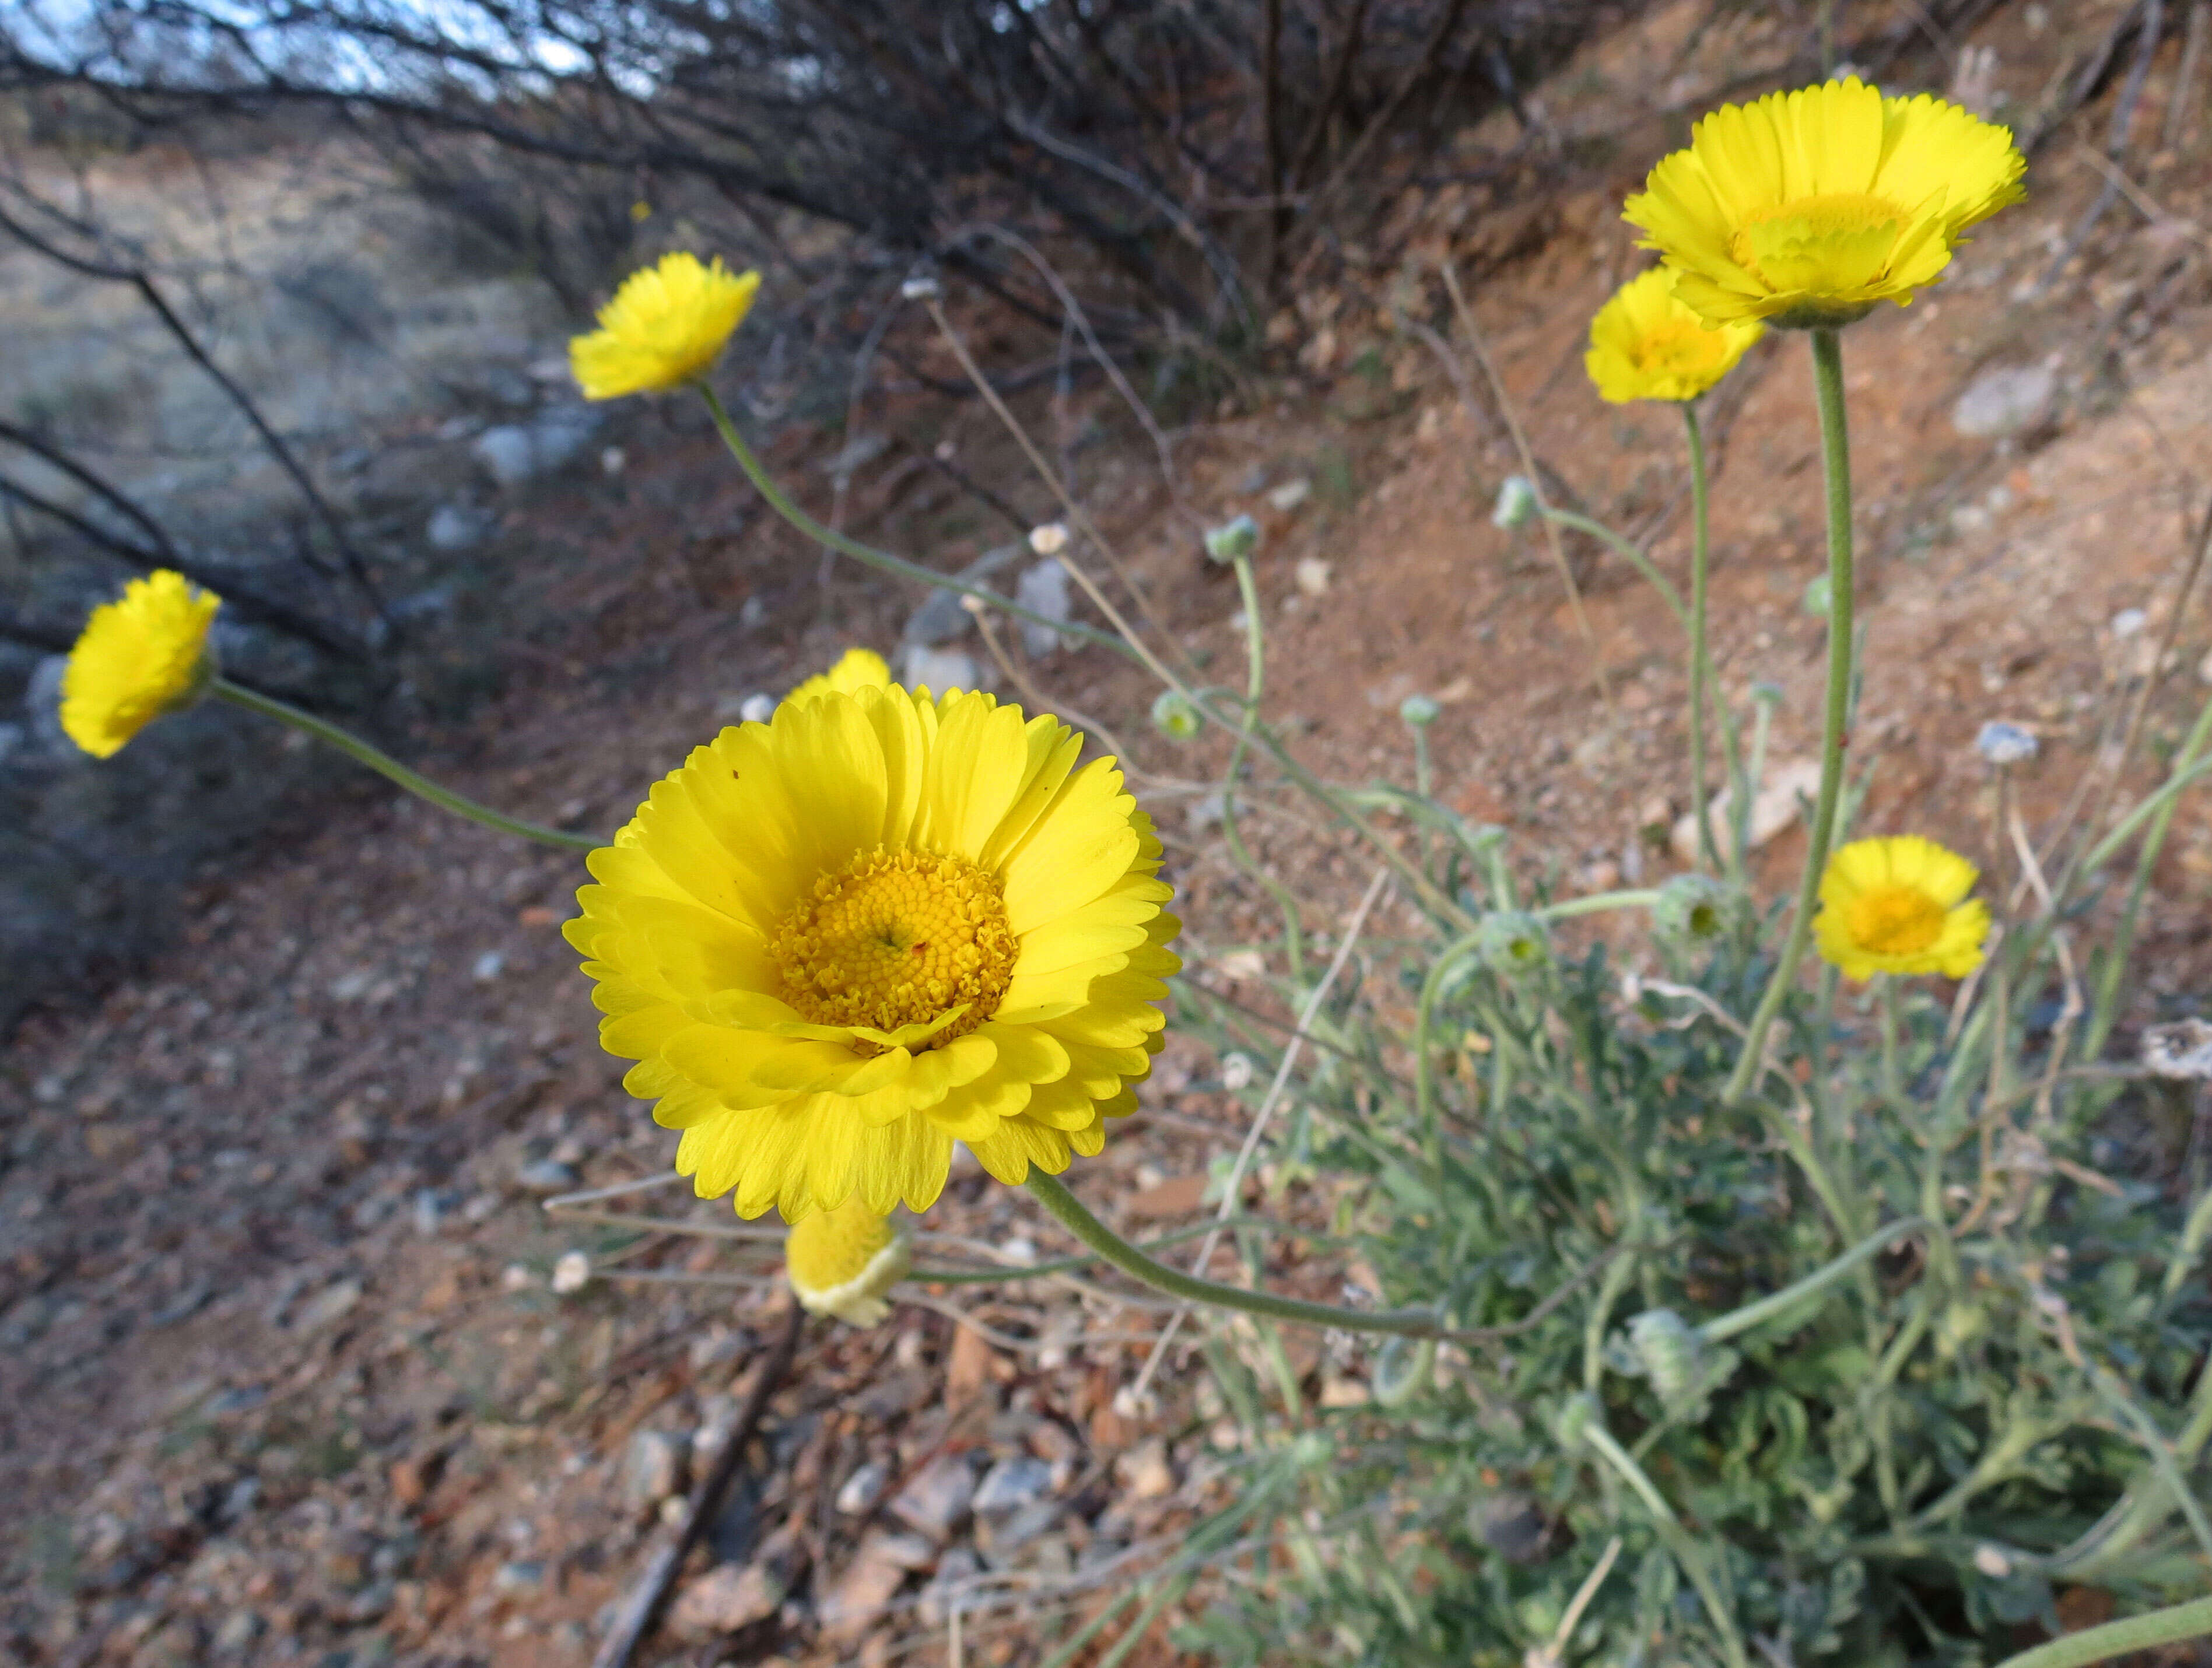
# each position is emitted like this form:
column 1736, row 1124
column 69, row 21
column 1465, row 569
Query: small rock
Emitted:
column 1288, row 496
column 1145, row 1472
column 1337, row 1391
column 1773, row 809
column 653, row 1470
column 2128, row 622
column 547, row 1175
column 727, row 1599
column 238, row 1632
column 1001, row 1539
column 936, row 1499
column 938, row 670
column 488, row 967
column 1510, row 1525
column 572, row 1273
column 941, row 618
column 413, row 1478
column 516, row 452
column 1043, row 590
column 756, row 709
column 519, row 1575
column 2006, row 400
column 1010, row 1485
column 907, row 1551
column 860, row 1595
column 1313, row 575
column 955, row 1571
column 457, row 527
column 863, row 1488
column 328, row 1307
column 1178, row 1195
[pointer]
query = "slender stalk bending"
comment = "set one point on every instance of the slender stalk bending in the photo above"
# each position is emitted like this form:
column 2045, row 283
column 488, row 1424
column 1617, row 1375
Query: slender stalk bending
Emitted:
column 385, row 765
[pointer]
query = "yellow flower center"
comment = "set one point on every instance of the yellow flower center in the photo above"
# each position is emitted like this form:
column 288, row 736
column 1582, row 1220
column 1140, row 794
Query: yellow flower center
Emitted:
column 898, row 937
column 1895, row 920
column 1831, row 244
column 1683, row 347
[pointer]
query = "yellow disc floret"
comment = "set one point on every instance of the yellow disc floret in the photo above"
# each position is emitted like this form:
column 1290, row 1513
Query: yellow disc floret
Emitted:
column 879, row 923
column 664, row 327
column 845, row 1262
column 141, row 656
column 898, row 937
column 1646, row 345
column 1807, row 208
column 1900, row 906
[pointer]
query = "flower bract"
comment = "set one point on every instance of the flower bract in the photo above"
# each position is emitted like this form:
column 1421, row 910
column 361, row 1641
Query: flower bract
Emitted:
column 1900, row 906
column 1807, row 208
column 882, row 922
column 856, row 669
column 143, row 655
column 1645, row 345
column 845, row 1262
column 663, row 327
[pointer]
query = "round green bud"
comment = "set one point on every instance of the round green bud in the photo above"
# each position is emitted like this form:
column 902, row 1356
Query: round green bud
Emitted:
column 1233, row 539
column 1819, row 597
column 1513, row 943
column 1419, row 711
column 1694, row 910
column 1517, row 502
column 1176, row 716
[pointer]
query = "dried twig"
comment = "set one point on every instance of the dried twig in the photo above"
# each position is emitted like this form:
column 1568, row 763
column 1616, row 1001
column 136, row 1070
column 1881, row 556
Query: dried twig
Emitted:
column 642, row 1608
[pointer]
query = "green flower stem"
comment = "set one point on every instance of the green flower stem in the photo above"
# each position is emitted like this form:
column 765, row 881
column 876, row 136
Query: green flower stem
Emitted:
column 1441, row 971
column 781, row 502
column 2115, row 1638
column 1765, row 1308
column 1893, row 1073
column 1232, row 833
column 1627, row 552
column 385, row 765
column 1836, row 457
column 1701, row 659
column 1070, row 1213
column 1685, row 1551
column 992, row 1277
column 1598, row 903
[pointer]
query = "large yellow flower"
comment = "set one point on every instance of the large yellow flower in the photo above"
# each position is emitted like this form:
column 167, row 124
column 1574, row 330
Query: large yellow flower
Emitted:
column 662, row 329
column 856, row 669
column 881, row 922
column 1900, row 906
column 143, row 655
column 1807, row 208
column 1646, row 345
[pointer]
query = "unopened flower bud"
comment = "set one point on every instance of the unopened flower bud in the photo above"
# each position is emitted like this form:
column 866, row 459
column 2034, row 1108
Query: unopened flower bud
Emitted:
column 845, row 1262
column 1766, row 693
column 1233, row 539
column 2003, row 744
column 1176, row 716
column 1517, row 502
column 1513, row 943
column 1819, row 595
column 1419, row 710
column 1697, row 910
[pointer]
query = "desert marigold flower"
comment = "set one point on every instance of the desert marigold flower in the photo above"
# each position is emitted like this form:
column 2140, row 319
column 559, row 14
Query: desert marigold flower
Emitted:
column 856, row 669
column 1900, row 906
column 139, row 657
column 882, row 922
column 845, row 1262
column 664, row 327
column 1647, row 345
column 1807, row 208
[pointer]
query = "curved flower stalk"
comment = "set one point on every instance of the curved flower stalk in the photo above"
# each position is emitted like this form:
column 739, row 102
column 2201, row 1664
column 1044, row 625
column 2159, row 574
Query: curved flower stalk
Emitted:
column 147, row 655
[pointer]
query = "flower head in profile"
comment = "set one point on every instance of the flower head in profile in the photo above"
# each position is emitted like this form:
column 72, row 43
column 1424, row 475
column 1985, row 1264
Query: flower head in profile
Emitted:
column 856, row 669
column 845, row 1262
column 1513, row 943
column 1900, row 906
column 662, row 329
column 1807, row 208
column 139, row 657
column 1646, row 345
column 880, row 922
